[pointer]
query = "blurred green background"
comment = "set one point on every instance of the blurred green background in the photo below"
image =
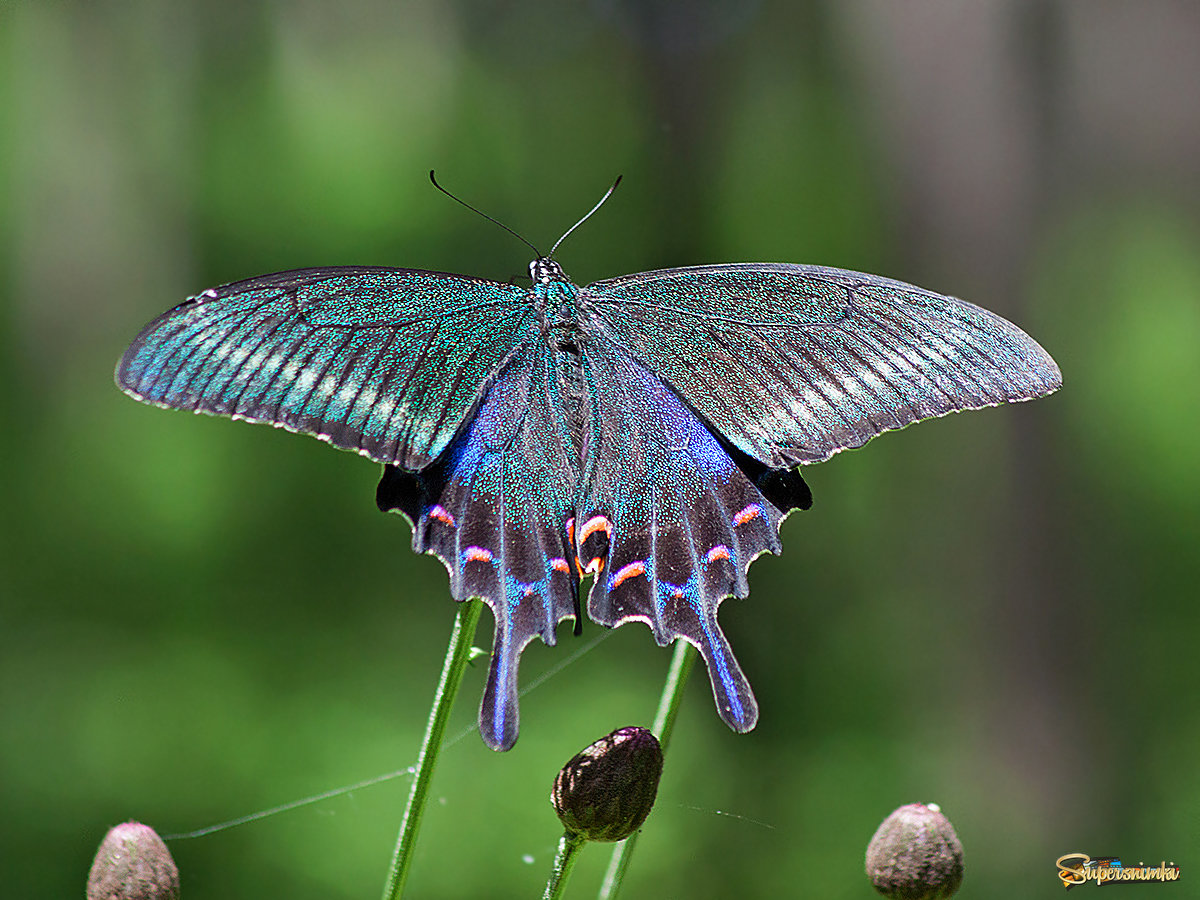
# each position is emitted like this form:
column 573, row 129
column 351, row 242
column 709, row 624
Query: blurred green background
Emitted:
column 994, row 611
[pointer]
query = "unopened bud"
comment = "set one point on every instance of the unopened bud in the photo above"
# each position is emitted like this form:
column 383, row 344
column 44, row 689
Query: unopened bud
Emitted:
column 606, row 792
column 133, row 864
column 915, row 855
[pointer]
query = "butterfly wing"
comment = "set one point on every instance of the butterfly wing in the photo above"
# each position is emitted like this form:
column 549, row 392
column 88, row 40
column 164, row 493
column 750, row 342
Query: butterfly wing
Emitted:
column 443, row 378
column 794, row 363
column 494, row 510
column 673, row 518
column 386, row 362
column 712, row 382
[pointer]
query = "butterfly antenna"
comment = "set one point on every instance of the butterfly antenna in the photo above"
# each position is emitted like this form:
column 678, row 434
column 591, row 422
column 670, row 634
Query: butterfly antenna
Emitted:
column 607, row 194
column 536, row 251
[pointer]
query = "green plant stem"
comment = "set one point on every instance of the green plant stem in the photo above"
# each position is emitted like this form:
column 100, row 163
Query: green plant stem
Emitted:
column 568, row 849
column 457, row 653
column 664, row 724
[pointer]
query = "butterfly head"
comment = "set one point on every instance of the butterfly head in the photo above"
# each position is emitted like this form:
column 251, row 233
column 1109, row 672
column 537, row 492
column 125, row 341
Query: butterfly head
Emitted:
column 544, row 270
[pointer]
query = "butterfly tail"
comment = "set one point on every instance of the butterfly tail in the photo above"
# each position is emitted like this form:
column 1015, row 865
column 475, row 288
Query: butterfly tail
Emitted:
column 538, row 592
column 499, row 713
column 731, row 690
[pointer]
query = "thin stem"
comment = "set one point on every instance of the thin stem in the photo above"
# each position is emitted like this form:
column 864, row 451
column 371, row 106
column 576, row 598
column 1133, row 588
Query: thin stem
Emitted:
column 664, row 724
column 455, row 664
column 568, row 849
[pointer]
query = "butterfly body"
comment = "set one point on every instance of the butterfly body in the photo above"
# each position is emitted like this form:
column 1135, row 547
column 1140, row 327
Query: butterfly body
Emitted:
column 641, row 431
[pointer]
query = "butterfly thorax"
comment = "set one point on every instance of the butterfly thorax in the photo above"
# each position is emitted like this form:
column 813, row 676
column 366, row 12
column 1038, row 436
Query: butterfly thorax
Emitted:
column 557, row 302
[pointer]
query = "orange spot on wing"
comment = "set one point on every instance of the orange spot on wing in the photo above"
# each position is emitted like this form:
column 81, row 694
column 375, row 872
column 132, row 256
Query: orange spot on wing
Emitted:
column 594, row 524
column 631, row 570
column 747, row 514
column 718, row 552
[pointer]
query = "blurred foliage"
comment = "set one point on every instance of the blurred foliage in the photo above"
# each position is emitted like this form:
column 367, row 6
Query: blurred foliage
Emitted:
column 199, row 619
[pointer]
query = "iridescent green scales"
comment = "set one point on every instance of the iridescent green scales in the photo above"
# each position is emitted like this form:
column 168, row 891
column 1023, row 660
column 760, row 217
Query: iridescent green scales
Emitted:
column 345, row 354
column 639, row 432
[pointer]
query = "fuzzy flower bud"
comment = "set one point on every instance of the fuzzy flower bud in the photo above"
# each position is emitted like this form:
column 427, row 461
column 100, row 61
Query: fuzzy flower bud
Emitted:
column 133, row 864
column 915, row 855
column 606, row 792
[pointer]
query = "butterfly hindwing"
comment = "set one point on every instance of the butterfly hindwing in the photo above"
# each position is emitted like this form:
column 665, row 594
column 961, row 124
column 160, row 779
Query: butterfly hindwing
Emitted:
column 494, row 511
column 345, row 354
column 793, row 363
column 681, row 520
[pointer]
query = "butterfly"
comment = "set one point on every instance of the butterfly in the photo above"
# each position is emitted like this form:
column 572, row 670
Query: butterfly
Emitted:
column 643, row 431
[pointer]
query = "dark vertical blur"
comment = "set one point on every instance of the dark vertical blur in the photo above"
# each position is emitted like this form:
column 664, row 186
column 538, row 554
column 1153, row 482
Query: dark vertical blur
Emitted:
column 995, row 612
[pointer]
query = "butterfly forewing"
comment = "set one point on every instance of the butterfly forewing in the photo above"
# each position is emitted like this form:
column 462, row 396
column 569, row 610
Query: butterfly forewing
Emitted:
column 387, row 362
column 793, row 363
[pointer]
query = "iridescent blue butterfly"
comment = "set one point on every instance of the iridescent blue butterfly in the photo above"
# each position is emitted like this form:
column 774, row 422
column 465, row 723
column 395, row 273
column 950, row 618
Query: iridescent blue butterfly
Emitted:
column 643, row 430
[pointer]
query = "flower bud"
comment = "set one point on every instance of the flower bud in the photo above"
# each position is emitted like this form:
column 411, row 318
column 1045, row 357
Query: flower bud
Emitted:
column 606, row 792
column 133, row 864
column 915, row 855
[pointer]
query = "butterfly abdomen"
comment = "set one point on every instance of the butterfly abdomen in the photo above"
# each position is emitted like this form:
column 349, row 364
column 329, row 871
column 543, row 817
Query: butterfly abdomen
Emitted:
column 556, row 301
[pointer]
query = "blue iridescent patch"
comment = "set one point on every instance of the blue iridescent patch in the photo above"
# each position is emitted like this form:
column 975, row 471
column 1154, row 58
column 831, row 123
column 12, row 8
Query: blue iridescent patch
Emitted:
column 643, row 431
